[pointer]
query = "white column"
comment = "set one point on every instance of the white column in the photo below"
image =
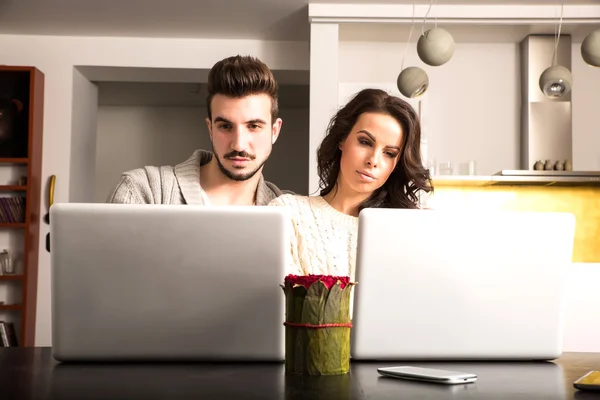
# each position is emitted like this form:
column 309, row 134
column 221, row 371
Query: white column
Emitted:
column 324, row 71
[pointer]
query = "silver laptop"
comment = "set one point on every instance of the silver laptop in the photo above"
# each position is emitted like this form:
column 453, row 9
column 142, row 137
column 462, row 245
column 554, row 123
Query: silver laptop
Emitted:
column 460, row 284
column 168, row 282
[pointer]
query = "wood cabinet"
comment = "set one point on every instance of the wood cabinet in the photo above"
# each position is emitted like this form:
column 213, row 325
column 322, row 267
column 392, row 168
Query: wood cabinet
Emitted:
column 21, row 139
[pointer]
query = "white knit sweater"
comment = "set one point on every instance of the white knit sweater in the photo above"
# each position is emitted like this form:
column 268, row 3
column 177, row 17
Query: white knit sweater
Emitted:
column 323, row 239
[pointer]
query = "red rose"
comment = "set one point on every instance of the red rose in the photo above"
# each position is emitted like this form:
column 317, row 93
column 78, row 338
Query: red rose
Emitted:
column 308, row 280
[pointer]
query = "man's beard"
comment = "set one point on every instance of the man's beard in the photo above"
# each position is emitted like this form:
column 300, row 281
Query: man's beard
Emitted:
column 242, row 176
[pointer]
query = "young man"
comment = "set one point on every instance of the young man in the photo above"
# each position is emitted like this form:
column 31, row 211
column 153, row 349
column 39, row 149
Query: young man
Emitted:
column 243, row 126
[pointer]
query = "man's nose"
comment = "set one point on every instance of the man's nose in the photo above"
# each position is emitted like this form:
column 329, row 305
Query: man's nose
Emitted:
column 240, row 139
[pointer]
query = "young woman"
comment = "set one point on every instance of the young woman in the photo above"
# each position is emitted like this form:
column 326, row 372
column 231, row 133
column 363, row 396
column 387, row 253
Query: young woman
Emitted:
column 370, row 157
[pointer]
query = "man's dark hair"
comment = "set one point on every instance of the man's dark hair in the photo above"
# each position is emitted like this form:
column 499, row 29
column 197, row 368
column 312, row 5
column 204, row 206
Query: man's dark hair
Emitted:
column 241, row 76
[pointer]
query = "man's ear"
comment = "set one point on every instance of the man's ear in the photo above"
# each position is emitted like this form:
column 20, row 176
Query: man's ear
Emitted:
column 276, row 129
column 209, row 126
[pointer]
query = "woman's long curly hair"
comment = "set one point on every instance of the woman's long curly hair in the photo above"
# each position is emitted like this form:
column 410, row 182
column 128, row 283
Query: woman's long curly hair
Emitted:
column 408, row 177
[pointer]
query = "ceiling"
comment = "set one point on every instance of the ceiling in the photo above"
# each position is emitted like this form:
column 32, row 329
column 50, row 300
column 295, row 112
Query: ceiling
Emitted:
column 225, row 19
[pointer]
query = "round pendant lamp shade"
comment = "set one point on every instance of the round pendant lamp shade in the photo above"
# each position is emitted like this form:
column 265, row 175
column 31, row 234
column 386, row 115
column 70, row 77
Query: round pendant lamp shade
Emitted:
column 435, row 47
column 590, row 49
column 556, row 81
column 412, row 82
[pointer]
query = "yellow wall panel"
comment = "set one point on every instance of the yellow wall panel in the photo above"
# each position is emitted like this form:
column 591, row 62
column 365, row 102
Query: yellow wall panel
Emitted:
column 583, row 202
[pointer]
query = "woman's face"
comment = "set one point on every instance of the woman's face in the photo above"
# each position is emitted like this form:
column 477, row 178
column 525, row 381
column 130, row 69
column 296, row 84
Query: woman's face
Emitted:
column 370, row 153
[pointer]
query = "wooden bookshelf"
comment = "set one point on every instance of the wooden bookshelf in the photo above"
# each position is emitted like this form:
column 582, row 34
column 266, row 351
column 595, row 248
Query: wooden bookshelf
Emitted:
column 26, row 84
column 13, row 225
column 12, row 160
column 12, row 188
column 11, row 277
column 8, row 225
column 10, row 307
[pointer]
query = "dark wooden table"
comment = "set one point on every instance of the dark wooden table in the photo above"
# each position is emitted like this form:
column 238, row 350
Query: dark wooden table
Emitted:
column 32, row 373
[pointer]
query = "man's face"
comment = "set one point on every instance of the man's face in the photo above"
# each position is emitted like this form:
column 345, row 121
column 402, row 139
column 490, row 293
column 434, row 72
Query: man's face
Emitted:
column 242, row 134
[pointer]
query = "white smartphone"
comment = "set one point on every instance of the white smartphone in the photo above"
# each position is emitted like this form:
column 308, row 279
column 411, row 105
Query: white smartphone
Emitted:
column 428, row 375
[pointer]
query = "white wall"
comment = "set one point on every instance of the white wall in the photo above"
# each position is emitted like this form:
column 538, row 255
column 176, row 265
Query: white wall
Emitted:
column 472, row 104
column 133, row 137
column 324, row 78
column 57, row 57
column 472, row 101
column 288, row 165
column 83, row 138
column 586, row 108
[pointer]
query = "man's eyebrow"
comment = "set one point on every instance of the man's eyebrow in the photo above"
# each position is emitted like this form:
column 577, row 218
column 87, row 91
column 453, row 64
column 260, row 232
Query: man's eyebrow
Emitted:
column 391, row 146
column 257, row 121
column 252, row 121
column 221, row 119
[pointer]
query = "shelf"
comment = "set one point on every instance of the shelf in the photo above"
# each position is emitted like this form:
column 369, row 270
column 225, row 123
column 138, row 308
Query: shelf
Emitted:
column 27, row 84
column 7, row 225
column 461, row 180
column 10, row 307
column 14, row 160
column 521, row 178
column 11, row 277
column 13, row 188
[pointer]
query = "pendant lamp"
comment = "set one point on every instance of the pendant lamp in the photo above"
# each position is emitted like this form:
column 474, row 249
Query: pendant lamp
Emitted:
column 435, row 47
column 590, row 49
